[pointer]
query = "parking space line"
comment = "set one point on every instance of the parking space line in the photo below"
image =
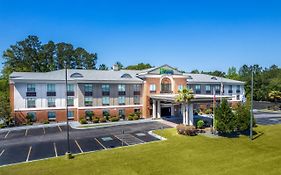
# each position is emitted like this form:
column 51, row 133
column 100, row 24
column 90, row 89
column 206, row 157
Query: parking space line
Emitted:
column 26, row 132
column 28, row 153
column 79, row 146
column 2, row 152
column 121, row 140
column 59, row 128
column 7, row 134
column 138, row 138
column 55, row 148
column 100, row 143
column 44, row 130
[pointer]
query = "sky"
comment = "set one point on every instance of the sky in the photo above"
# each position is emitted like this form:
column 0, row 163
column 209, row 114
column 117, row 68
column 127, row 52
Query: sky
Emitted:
column 190, row 34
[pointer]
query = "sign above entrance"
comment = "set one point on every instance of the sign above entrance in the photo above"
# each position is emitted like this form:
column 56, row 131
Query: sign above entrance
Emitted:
column 164, row 70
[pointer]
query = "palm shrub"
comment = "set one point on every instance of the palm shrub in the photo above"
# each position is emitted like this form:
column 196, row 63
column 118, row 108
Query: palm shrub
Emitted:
column 184, row 97
column 89, row 115
column 225, row 121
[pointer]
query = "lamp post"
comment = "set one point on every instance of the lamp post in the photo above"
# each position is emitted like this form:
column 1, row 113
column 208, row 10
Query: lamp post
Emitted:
column 68, row 153
column 251, row 118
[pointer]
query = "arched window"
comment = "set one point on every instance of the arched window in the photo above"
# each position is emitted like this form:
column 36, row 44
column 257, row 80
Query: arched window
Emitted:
column 189, row 77
column 126, row 76
column 166, row 85
column 76, row 75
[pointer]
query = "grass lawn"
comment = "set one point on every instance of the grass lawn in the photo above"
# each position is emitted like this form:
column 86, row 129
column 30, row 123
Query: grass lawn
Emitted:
column 177, row 155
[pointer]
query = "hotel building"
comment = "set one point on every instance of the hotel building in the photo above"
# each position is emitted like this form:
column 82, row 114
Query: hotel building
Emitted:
column 119, row 92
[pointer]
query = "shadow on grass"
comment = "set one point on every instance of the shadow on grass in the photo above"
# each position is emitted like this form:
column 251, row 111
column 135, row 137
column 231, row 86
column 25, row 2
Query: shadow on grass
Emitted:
column 238, row 133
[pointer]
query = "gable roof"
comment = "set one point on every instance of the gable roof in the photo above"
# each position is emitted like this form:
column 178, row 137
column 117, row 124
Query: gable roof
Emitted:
column 204, row 78
column 157, row 70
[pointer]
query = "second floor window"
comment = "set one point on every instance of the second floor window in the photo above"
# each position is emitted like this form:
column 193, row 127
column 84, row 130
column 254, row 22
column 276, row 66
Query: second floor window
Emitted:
column 70, row 101
column 121, row 100
column 136, row 87
column 152, row 87
column 208, row 89
column 136, row 99
column 51, row 88
column 31, row 103
column 105, row 100
column 51, row 102
column 30, row 87
column 70, row 87
column 88, row 87
column 88, row 101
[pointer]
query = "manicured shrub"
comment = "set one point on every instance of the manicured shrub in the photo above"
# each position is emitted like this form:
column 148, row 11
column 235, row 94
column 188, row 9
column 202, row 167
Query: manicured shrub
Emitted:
column 83, row 121
column 89, row 115
column 138, row 113
column 114, row 119
column 130, row 117
column 135, row 117
column 2, row 125
column 102, row 120
column 186, row 130
column 46, row 122
column 96, row 120
column 200, row 124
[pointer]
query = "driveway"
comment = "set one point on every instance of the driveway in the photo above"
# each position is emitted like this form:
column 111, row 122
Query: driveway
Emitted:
column 39, row 143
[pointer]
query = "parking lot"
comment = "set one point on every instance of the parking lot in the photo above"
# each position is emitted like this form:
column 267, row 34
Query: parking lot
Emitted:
column 40, row 143
column 267, row 118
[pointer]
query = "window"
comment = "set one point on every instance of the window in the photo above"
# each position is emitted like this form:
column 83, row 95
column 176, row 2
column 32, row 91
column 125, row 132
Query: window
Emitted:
column 198, row 89
column 31, row 103
column 88, row 101
column 51, row 102
column 180, row 87
column 70, row 101
column 238, row 89
column 105, row 89
column 30, row 87
column 121, row 113
column 136, row 99
column 126, row 76
column 32, row 115
column 121, row 89
column 217, row 89
column 51, row 88
column 76, row 75
column 136, row 87
column 105, row 100
column 121, row 100
column 230, row 89
column 52, row 115
column 88, row 87
column 70, row 87
column 208, row 89
column 70, row 114
column 152, row 87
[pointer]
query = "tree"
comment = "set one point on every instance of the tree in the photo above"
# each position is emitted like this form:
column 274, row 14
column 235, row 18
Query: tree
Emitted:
column 196, row 71
column 242, row 115
column 139, row 66
column 275, row 96
column 225, row 121
column 232, row 73
column 184, row 97
column 120, row 65
column 103, row 67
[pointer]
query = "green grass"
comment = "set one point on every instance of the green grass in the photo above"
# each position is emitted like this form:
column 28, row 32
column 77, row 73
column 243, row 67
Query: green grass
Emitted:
column 177, row 155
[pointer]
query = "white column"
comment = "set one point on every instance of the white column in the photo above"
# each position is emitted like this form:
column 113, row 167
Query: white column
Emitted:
column 154, row 109
column 183, row 114
column 172, row 110
column 158, row 109
column 186, row 115
column 190, row 114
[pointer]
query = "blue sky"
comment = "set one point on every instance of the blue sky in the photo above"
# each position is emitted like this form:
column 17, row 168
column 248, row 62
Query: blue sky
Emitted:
column 191, row 34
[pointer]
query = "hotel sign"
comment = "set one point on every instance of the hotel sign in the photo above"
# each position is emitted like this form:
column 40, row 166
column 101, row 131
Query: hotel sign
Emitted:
column 166, row 71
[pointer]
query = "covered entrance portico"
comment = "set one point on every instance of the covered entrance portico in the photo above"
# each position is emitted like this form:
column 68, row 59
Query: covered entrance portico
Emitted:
column 165, row 104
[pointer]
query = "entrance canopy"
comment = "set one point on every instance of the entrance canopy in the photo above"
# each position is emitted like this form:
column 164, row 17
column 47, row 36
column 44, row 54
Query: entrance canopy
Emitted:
column 197, row 97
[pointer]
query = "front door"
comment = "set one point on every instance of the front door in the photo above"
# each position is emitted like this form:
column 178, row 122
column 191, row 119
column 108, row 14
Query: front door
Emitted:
column 165, row 111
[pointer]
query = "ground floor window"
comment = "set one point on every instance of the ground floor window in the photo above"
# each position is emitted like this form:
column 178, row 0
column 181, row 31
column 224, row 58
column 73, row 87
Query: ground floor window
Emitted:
column 88, row 101
column 70, row 114
column 121, row 100
column 105, row 100
column 121, row 113
column 70, row 101
column 52, row 115
column 31, row 102
column 32, row 116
